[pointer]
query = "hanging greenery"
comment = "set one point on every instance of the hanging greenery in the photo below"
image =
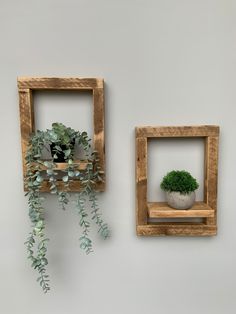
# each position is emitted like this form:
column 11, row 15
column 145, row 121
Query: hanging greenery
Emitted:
column 62, row 141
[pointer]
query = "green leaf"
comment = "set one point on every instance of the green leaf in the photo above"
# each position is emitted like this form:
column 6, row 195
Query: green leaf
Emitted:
column 58, row 148
column 71, row 173
column 65, row 179
column 70, row 161
column 44, row 261
column 67, row 152
column 49, row 171
column 39, row 224
column 39, row 179
column 47, row 164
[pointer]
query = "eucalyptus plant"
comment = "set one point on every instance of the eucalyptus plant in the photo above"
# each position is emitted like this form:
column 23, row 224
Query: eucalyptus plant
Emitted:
column 40, row 170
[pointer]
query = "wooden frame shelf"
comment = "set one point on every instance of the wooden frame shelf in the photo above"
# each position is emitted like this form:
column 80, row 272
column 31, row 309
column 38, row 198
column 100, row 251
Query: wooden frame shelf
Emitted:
column 207, row 210
column 26, row 88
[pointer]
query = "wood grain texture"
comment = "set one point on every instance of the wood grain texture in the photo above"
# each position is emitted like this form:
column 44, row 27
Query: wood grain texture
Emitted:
column 175, row 229
column 141, row 180
column 99, row 126
column 211, row 174
column 162, row 210
column 80, row 165
column 26, row 85
column 59, row 83
column 178, row 131
column 206, row 209
column 26, row 120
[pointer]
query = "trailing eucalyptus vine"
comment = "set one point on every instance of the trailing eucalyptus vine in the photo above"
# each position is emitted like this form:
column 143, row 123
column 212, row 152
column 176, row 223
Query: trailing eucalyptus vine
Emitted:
column 62, row 140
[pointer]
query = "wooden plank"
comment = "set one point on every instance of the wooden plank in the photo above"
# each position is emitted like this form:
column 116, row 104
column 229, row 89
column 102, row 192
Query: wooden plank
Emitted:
column 80, row 165
column 178, row 131
column 66, row 83
column 176, row 230
column 162, row 210
column 26, row 120
column 99, row 126
column 211, row 173
column 141, row 181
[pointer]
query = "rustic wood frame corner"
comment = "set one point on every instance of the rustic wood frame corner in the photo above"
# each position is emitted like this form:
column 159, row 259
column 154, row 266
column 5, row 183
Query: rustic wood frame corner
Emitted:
column 208, row 227
column 26, row 86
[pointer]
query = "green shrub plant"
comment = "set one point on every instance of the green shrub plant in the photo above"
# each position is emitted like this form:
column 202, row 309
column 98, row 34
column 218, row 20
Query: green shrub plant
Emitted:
column 179, row 181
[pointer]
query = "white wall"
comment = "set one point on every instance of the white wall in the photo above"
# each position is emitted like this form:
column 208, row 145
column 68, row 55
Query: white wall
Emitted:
column 165, row 63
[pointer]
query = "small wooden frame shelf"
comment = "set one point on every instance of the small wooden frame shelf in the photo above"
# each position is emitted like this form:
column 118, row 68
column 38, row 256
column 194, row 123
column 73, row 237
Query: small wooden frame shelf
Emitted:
column 26, row 87
column 207, row 210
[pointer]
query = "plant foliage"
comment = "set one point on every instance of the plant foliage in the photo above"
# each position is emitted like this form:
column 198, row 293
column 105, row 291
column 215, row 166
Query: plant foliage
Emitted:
column 179, row 181
column 62, row 136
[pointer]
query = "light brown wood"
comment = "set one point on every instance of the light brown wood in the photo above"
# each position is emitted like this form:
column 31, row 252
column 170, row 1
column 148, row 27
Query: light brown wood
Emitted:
column 26, row 120
column 59, row 83
column 178, row 131
column 80, row 165
column 141, row 180
column 162, row 210
column 99, row 126
column 26, row 86
column 206, row 210
column 175, row 229
column 211, row 173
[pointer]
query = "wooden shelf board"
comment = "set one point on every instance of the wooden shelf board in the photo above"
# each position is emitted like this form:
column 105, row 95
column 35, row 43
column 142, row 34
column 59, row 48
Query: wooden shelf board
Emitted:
column 80, row 165
column 74, row 185
column 162, row 210
column 192, row 230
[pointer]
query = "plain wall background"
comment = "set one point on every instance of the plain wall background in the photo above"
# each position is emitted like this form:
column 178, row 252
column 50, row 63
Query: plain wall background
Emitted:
column 165, row 63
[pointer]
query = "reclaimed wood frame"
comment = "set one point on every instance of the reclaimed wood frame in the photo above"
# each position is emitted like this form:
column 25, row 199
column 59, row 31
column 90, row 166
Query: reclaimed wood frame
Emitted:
column 26, row 87
column 207, row 209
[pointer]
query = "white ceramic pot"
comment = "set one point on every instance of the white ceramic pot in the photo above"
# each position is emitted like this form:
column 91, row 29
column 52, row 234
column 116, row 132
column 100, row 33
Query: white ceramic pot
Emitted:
column 180, row 201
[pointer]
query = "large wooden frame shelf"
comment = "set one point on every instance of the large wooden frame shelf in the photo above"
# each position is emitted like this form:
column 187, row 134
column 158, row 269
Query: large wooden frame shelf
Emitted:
column 207, row 210
column 26, row 87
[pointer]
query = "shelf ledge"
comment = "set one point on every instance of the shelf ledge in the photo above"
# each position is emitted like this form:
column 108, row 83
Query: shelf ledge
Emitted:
column 80, row 165
column 162, row 210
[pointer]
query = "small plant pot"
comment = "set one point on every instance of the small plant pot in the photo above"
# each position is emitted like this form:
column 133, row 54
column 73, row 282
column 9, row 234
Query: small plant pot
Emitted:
column 180, row 201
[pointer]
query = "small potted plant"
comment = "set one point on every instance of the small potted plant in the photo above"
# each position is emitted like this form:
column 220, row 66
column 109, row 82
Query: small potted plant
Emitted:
column 180, row 188
column 63, row 139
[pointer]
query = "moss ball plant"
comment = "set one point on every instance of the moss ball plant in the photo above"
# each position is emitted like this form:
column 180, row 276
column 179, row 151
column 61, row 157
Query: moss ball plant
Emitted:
column 179, row 181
